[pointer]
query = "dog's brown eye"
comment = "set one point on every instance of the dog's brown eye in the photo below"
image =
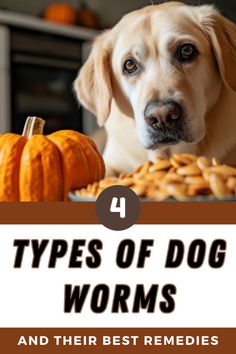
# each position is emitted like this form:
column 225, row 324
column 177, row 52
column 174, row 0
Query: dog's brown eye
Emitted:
column 186, row 52
column 130, row 67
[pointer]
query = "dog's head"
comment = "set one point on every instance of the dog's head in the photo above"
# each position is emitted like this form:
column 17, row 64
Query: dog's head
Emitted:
column 164, row 65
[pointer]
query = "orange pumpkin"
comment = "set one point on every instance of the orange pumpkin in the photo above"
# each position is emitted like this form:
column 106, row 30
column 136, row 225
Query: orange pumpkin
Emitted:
column 87, row 17
column 34, row 167
column 61, row 13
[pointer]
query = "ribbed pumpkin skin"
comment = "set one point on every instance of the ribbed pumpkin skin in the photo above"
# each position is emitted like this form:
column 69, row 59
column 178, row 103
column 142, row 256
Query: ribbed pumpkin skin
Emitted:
column 81, row 162
column 40, row 171
column 11, row 146
column 46, row 168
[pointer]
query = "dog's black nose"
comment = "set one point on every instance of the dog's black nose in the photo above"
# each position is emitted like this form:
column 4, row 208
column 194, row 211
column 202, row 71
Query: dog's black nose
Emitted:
column 162, row 115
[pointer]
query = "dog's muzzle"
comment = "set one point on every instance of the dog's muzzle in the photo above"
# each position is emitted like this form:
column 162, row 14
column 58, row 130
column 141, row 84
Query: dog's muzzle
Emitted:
column 164, row 122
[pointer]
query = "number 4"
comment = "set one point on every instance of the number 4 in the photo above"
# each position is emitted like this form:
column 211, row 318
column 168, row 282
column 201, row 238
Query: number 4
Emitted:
column 115, row 208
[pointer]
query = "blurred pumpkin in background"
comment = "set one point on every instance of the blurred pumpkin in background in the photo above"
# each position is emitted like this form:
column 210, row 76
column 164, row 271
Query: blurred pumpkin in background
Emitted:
column 35, row 167
column 87, row 17
column 61, row 13
column 67, row 14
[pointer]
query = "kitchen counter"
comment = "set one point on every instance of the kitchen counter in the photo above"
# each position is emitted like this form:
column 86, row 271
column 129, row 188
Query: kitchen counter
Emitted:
column 33, row 23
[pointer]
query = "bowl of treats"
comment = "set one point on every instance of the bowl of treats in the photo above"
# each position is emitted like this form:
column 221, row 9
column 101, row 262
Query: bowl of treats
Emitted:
column 183, row 177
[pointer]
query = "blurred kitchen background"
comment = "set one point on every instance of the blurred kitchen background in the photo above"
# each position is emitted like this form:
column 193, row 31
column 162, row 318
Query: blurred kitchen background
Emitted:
column 43, row 43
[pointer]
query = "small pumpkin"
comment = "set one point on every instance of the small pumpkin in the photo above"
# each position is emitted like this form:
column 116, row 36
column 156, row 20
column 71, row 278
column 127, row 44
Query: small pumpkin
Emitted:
column 87, row 17
column 34, row 167
column 61, row 13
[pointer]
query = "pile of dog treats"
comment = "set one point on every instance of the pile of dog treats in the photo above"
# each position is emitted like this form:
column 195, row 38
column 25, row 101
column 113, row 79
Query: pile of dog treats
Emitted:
column 181, row 177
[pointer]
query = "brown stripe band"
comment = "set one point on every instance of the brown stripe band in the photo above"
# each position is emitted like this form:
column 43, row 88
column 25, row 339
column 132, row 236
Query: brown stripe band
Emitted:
column 225, row 337
column 151, row 213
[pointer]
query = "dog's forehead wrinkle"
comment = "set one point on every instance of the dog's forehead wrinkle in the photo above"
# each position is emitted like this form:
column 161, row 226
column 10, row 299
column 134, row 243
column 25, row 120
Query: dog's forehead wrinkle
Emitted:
column 136, row 48
column 139, row 51
column 171, row 40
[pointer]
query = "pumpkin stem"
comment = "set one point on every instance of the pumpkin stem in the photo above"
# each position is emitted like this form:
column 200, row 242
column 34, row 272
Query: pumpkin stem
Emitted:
column 33, row 125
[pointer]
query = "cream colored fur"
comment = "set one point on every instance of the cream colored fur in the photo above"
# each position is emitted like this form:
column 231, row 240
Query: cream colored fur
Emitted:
column 206, row 87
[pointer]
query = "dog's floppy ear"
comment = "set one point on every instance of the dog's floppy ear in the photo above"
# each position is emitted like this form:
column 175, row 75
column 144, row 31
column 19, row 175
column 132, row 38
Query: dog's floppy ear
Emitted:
column 93, row 84
column 222, row 34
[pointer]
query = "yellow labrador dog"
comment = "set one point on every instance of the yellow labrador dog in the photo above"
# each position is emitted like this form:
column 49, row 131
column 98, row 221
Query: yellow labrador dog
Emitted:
column 163, row 80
